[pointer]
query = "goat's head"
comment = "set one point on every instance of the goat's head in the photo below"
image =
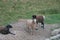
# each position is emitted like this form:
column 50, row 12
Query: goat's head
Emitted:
column 9, row 26
column 34, row 16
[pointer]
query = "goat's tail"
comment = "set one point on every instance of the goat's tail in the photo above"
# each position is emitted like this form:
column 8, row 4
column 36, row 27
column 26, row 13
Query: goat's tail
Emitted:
column 12, row 33
column 44, row 17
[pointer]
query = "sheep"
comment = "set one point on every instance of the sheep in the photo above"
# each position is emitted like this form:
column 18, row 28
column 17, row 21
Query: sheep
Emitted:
column 31, row 25
column 55, row 32
column 5, row 30
column 39, row 19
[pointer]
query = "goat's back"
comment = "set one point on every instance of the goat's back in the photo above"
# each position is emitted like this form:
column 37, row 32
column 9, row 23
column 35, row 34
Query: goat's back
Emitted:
column 1, row 28
column 40, row 18
column 29, row 21
column 30, row 24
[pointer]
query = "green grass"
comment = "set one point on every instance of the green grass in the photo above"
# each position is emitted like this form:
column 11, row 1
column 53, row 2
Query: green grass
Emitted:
column 53, row 18
column 12, row 10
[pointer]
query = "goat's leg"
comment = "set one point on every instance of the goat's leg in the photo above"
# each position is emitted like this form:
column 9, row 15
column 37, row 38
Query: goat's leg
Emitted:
column 32, row 30
column 28, row 29
column 42, row 23
column 37, row 22
column 36, row 26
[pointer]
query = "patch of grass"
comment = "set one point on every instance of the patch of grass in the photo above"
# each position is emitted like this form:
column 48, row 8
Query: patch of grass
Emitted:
column 12, row 10
column 53, row 18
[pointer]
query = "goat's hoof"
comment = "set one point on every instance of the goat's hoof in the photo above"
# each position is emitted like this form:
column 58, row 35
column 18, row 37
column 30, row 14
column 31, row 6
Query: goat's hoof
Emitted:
column 36, row 29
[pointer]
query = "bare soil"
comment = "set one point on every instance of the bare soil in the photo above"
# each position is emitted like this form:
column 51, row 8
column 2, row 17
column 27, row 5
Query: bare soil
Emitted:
column 19, row 29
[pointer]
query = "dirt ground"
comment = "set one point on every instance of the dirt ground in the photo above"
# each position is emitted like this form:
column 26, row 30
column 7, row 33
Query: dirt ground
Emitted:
column 19, row 29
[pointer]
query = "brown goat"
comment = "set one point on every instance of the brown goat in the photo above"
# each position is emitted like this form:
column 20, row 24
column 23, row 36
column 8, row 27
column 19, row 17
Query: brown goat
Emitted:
column 39, row 19
column 31, row 25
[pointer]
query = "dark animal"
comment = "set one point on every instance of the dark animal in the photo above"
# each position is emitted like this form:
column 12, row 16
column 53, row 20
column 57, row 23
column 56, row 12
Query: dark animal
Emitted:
column 39, row 19
column 5, row 30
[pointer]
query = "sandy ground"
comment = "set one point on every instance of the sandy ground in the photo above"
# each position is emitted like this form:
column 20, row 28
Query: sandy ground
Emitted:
column 19, row 29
